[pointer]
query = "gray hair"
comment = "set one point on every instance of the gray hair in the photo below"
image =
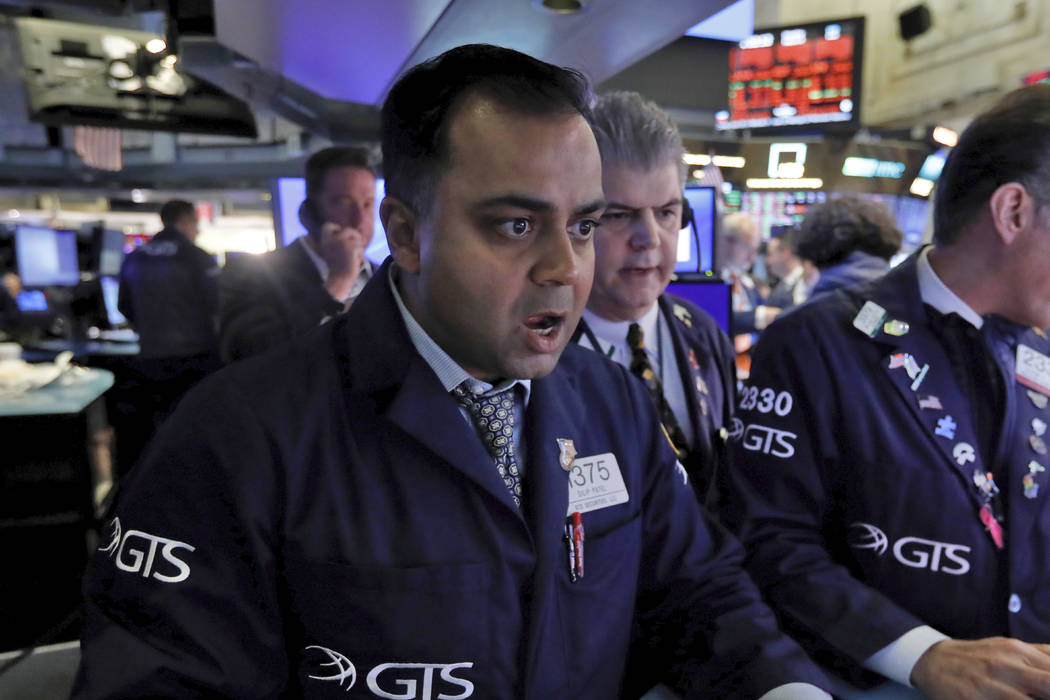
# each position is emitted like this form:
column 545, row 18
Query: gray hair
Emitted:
column 634, row 131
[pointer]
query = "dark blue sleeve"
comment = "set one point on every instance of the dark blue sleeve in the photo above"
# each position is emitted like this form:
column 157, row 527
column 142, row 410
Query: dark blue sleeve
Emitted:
column 181, row 599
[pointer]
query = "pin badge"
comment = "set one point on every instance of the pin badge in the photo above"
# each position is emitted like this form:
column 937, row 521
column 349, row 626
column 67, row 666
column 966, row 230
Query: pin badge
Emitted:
column 1038, row 444
column 1035, row 467
column 692, row 361
column 1038, row 427
column 895, row 327
column 869, row 319
column 566, row 453
column 931, row 402
column 683, row 315
column 1031, row 489
column 985, row 482
column 1040, row 400
column 701, row 385
column 703, row 405
column 898, row 360
column 964, row 453
column 946, row 428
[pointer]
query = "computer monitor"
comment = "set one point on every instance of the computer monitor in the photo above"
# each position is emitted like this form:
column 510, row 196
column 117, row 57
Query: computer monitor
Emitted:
column 696, row 242
column 110, row 251
column 289, row 193
column 709, row 293
column 110, row 291
column 46, row 257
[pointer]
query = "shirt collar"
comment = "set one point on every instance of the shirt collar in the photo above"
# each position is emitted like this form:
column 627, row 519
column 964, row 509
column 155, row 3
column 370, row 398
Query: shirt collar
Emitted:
column 448, row 371
column 615, row 332
column 938, row 295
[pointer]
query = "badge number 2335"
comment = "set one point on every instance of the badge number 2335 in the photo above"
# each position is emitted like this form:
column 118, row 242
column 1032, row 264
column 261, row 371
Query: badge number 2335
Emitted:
column 766, row 400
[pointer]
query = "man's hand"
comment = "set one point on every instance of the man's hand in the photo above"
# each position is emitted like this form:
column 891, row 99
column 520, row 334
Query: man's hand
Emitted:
column 343, row 249
column 984, row 669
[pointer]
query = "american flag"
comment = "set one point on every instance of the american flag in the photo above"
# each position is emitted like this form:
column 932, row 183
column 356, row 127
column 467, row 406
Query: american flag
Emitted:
column 99, row 147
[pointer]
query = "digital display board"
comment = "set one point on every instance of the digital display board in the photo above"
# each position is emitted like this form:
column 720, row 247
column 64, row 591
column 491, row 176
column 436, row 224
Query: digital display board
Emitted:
column 796, row 75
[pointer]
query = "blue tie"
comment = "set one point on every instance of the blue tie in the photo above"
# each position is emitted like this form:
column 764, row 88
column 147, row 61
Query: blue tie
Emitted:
column 493, row 417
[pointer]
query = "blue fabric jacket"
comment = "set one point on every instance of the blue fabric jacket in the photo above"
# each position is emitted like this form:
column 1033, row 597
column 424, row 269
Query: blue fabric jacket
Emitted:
column 855, row 478
column 169, row 292
column 707, row 365
column 322, row 522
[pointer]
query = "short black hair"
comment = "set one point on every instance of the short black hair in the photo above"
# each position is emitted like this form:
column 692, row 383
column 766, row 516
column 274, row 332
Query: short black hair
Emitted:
column 1008, row 143
column 175, row 209
column 327, row 159
column 834, row 229
column 419, row 108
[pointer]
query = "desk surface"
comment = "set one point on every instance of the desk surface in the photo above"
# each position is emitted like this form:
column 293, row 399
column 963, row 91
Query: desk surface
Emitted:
column 69, row 394
column 82, row 348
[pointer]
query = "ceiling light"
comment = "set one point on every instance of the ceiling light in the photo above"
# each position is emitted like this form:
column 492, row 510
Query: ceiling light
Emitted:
column 156, row 45
column 562, row 7
column 784, row 183
column 921, row 187
column 945, row 136
column 729, row 161
column 120, row 69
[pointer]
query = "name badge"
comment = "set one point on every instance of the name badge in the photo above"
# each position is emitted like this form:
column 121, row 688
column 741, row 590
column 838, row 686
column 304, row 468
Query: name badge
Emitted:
column 1033, row 369
column 869, row 319
column 594, row 483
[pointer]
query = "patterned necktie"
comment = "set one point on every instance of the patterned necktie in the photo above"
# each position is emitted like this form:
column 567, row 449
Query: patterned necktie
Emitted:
column 493, row 417
column 643, row 369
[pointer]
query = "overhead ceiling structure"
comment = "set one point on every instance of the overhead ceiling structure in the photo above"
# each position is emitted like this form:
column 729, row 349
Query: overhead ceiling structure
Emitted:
column 323, row 67
column 328, row 64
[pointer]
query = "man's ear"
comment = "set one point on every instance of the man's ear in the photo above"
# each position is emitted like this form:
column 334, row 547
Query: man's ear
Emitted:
column 1013, row 210
column 402, row 233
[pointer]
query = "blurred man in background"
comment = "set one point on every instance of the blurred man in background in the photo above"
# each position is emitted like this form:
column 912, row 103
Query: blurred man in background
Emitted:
column 279, row 295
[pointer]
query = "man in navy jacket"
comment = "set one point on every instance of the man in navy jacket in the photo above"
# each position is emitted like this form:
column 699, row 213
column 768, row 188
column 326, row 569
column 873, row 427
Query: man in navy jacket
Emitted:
column 635, row 253
column 889, row 477
column 384, row 514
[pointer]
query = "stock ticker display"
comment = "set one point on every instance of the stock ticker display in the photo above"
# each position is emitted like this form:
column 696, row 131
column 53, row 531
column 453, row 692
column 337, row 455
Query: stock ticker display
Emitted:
column 794, row 76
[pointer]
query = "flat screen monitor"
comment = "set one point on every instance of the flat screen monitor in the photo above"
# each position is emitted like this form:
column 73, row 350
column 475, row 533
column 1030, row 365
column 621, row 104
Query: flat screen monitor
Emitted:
column 796, row 75
column 933, row 165
column 711, row 294
column 289, row 193
column 110, row 252
column 696, row 242
column 110, row 292
column 46, row 257
column 32, row 300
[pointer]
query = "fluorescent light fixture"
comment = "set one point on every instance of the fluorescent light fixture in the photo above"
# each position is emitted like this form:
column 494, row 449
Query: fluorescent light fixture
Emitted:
column 783, row 183
column 730, row 161
column 872, row 167
column 945, row 136
column 721, row 161
column 921, row 187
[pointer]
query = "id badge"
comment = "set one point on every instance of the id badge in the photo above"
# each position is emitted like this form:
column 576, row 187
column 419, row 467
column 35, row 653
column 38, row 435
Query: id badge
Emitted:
column 595, row 482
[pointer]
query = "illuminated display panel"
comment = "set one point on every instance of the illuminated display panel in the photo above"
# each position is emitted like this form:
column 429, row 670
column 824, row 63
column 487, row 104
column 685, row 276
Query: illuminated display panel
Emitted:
column 797, row 75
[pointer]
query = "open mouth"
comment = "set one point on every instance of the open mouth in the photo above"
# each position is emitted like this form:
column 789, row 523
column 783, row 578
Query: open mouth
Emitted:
column 544, row 324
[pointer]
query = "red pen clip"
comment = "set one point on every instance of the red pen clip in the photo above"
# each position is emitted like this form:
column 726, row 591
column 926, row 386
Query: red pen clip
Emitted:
column 577, row 542
column 993, row 526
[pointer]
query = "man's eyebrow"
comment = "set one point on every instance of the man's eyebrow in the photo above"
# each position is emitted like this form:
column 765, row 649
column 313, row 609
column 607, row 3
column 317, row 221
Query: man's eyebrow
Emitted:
column 590, row 207
column 533, row 204
column 515, row 200
column 628, row 207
